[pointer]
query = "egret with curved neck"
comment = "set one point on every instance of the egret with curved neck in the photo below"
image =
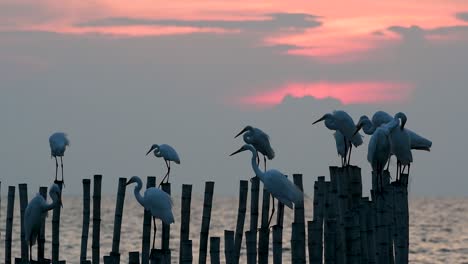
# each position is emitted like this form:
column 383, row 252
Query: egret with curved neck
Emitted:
column 166, row 152
column 260, row 141
column 275, row 182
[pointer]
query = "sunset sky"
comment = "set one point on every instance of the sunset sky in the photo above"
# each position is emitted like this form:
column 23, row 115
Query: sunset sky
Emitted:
column 118, row 76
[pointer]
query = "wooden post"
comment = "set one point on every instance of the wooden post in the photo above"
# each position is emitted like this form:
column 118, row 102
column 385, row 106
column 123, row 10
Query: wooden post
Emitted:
column 86, row 213
column 243, row 190
column 363, row 225
column 315, row 228
column 166, row 230
column 187, row 249
column 339, row 194
column 115, row 254
column 134, row 257
column 229, row 246
column 96, row 218
column 205, row 226
column 371, row 230
column 402, row 220
column 263, row 239
column 185, row 218
column 277, row 244
column 9, row 223
column 355, row 185
column 329, row 241
column 214, row 250
column 251, row 237
column 146, row 235
column 41, row 237
column 353, row 245
column 56, row 228
column 298, row 233
column 23, row 193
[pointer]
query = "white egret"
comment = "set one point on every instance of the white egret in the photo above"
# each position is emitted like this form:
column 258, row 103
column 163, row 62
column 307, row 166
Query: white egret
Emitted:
column 168, row 153
column 400, row 143
column 156, row 201
column 35, row 210
column 58, row 143
column 259, row 140
column 275, row 182
column 342, row 122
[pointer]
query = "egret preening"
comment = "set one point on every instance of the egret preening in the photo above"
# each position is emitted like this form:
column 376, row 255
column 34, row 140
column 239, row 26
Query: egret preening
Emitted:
column 342, row 122
column 259, row 140
column 275, row 182
column 58, row 143
column 168, row 153
column 37, row 209
column 156, row 201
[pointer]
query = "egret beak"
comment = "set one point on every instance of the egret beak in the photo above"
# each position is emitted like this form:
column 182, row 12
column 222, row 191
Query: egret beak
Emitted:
column 358, row 127
column 239, row 150
column 240, row 133
column 149, row 151
column 321, row 119
column 129, row 182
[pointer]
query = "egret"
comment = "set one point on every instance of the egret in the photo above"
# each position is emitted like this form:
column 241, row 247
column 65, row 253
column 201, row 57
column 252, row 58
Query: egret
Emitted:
column 275, row 182
column 58, row 143
column 156, row 201
column 35, row 211
column 342, row 122
column 168, row 153
column 259, row 140
column 400, row 143
column 340, row 146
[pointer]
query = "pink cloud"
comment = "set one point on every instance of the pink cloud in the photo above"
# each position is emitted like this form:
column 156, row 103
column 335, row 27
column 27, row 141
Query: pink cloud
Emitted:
column 346, row 93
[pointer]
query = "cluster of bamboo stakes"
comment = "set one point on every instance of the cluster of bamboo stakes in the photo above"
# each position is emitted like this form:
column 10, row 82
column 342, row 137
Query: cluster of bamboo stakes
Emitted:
column 346, row 227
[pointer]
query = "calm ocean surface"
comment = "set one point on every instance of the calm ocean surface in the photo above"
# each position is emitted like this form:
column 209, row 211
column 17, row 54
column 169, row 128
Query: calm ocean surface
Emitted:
column 438, row 228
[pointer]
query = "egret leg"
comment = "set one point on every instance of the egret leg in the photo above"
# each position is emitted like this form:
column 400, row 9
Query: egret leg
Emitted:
column 272, row 211
column 264, row 161
column 30, row 252
column 409, row 165
column 167, row 173
column 258, row 158
column 388, row 163
column 346, row 153
column 350, row 148
column 56, row 168
column 61, row 164
column 154, row 230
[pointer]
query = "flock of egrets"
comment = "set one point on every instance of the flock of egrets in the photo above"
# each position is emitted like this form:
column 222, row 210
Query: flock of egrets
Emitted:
column 389, row 137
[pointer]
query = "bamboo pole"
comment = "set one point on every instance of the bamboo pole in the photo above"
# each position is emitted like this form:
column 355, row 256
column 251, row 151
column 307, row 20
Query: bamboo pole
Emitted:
column 214, row 250
column 41, row 237
column 134, row 257
column 329, row 241
column 115, row 253
column 56, row 228
column 185, row 218
column 299, row 220
column 187, row 257
column 251, row 237
column 229, row 246
column 146, row 235
column 355, row 185
column 0, row 203
column 166, row 230
column 339, row 200
column 402, row 220
column 277, row 244
column 263, row 239
column 86, row 213
column 243, row 190
column 9, row 223
column 23, row 193
column 96, row 218
column 371, row 234
column 280, row 213
column 363, row 229
column 353, row 247
column 205, row 226
column 315, row 244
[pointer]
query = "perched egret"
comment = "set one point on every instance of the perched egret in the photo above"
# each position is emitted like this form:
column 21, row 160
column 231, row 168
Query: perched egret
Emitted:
column 168, row 154
column 58, row 143
column 156, row 201
column 275, row 182
column 400, row 143
column 342, row 122
column 259, row 140
column 340, row 146
column 37, row 209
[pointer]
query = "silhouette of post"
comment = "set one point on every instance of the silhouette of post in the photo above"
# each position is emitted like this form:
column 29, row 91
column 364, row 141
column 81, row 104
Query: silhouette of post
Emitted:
column 214, row 250
column 114, row 254
column 329, row 241
column 229, row 246
column 263, row 238
column 185, row 218
column 9, row 223
column 146, row 235
column 315, row 227
column 277, row 244
column 251, row 244
column 206, row 218
column 86, row 213
column 96, row 218
column 187, row 256
column 243, row 190
column 166, row 230
column 56, row 228
column 298, row 231
column 251, row 236
column 134, row 257
column 41, row 237
column 402, row 220
column 363, row 225
column 23, row 194
column 371, row 234
column 339, row 199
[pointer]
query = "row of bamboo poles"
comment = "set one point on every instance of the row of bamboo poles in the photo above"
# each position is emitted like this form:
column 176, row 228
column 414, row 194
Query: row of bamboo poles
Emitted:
column 346, row 227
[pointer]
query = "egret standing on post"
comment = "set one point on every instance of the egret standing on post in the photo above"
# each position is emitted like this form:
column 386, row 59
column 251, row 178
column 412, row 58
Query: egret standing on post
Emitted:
column 35, row 211
column 259, row 140
column 156, row 201
column 342, row 122
column 168, row 154
column 58, row 143
column 275, row 182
